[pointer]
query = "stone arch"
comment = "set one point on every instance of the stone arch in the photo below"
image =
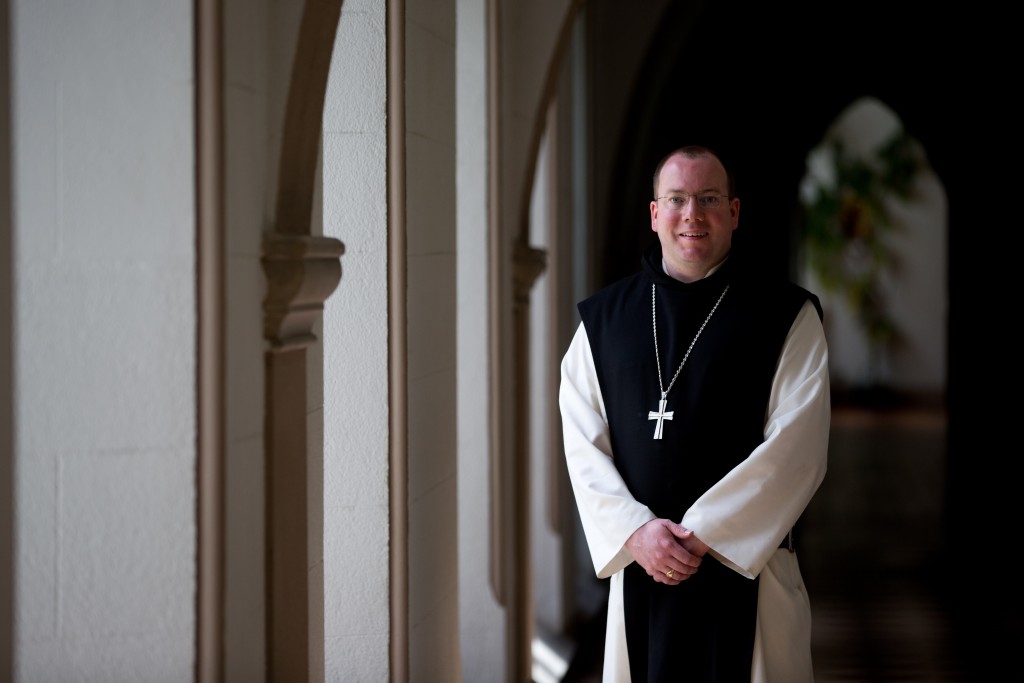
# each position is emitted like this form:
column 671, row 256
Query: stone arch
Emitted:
column 302, row 270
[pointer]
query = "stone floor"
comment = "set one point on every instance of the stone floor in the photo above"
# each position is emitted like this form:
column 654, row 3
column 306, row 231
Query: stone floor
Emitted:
column 871, row 552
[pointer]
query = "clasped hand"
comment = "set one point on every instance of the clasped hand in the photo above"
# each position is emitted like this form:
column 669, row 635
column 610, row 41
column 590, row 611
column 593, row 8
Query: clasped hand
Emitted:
column 668, row 551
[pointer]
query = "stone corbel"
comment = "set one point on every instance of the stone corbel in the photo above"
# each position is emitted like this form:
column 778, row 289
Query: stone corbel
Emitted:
column 528, row 263
column 507, row 496
column 302, row 271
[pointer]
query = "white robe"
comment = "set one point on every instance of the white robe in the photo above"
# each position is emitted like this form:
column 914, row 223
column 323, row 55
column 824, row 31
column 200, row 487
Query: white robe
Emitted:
column 742, row 518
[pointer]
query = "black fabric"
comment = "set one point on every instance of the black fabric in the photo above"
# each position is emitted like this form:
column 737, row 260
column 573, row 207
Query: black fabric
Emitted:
column 719, row 403
column 699, row 630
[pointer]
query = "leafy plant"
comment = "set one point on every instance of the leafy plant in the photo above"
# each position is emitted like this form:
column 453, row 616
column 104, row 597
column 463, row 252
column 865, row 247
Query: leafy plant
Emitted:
column 845, row 225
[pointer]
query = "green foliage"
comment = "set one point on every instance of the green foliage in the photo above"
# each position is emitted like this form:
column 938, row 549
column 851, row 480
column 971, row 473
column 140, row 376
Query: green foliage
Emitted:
column 845, row 224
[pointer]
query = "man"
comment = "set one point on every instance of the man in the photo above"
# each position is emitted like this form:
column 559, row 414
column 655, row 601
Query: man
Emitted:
column 695, row 405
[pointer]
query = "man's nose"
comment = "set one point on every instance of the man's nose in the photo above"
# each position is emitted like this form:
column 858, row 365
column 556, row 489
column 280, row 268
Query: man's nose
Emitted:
column 692, row 210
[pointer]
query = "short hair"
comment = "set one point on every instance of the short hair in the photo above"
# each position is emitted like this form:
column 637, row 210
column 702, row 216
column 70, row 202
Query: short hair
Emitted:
column 695, row 152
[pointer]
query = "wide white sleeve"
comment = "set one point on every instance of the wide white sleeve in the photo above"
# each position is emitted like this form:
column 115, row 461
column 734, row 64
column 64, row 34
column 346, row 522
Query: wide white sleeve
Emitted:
column 745, row 516
column 608, row 511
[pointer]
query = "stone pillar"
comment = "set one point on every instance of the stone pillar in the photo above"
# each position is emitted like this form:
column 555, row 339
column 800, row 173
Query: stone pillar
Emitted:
column 302, row 271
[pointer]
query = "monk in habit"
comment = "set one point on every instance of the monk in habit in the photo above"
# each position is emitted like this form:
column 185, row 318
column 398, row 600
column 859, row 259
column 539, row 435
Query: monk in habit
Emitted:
column 696, row 408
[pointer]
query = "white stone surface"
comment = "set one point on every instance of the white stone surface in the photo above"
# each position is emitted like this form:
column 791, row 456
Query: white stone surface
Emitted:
column 104, row 235
column 355, row 351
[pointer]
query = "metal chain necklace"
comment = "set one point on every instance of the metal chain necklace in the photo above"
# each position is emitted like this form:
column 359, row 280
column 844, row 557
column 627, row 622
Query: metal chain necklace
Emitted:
column 661, row 414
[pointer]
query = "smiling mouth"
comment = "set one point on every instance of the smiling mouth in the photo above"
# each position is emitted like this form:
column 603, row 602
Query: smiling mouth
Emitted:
column 693, row 234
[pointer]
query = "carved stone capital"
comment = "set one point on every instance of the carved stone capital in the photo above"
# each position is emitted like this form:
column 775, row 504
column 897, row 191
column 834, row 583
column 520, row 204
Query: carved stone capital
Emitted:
column 302, row 271
column 527, row 265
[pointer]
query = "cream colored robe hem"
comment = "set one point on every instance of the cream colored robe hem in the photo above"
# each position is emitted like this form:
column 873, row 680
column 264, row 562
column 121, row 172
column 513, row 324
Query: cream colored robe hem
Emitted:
column 743, row 517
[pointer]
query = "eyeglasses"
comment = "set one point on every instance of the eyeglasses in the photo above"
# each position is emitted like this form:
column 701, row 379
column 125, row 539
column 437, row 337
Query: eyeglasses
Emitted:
column 705, row 200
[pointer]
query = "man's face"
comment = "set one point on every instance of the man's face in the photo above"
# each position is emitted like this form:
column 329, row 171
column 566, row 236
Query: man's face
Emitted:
column 694, row 238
